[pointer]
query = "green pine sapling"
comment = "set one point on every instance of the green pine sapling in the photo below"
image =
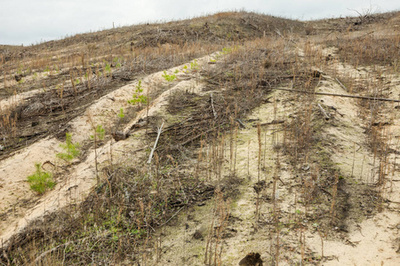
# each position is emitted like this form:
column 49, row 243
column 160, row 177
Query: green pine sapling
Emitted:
column 41, row 180
column 137, row 97
column 71, row 149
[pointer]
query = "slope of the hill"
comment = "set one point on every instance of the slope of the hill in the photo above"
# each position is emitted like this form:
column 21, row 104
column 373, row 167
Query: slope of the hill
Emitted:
column 46, row 85
column 278, row 149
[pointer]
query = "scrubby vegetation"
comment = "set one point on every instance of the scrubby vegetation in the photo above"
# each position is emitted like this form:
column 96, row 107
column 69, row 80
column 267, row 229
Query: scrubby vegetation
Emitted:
column 251, row 157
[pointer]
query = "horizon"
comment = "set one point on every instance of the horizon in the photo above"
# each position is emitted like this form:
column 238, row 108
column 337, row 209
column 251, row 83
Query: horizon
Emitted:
column 41, row 22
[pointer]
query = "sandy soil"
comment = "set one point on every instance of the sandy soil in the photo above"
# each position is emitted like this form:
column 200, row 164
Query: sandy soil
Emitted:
column 370, row 240
column 19, row 205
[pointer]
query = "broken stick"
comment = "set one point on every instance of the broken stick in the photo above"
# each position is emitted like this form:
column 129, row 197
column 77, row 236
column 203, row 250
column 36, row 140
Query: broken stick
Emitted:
column 327, row 117
column 159, row 130
column 212, row 105
column 341, row 84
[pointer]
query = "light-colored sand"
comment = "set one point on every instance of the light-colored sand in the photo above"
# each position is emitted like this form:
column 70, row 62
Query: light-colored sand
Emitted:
column 20, row 205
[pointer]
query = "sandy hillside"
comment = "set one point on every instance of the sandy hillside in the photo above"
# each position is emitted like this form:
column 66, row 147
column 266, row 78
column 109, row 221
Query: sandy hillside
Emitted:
column 243, row 143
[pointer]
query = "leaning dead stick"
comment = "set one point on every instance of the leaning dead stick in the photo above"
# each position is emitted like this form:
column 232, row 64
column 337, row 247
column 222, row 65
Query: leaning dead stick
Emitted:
column 324, row 112
column 212, row 105
column 155, row 143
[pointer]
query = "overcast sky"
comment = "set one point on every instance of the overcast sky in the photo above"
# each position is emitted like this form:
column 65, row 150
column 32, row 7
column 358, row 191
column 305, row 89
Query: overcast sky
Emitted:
column 32, row 21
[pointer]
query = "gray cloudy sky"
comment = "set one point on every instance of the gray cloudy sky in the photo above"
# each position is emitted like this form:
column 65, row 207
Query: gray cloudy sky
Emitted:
column 33, row 21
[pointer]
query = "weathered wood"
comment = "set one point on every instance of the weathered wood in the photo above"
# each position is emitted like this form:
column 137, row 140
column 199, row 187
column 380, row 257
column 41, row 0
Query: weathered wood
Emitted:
column 155, row 143
column 273, row 122
column 341, row 84
column 327, row 117
column 241, row 123
column 212, row 105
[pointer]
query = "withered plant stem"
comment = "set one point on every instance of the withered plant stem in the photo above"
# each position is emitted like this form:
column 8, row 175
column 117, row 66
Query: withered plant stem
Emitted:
column 334, row 195
column 248, row 159
column 259, row 151
column 354, row 159
column 236, row 146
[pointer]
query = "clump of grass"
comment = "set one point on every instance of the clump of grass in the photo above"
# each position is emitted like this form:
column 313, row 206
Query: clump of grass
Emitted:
column 41, row 180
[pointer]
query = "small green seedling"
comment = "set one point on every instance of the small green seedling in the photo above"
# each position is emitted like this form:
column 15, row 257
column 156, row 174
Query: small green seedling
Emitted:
column 107, row 67
column 41, row 180
column 99, row 133
column 121, row 113
column 117, row 63
column 137, row 98
column 71, row 149
column 168, row 78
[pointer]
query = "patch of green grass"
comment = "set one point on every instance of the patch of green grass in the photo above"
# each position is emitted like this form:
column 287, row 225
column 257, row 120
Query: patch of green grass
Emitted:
column 41, row 180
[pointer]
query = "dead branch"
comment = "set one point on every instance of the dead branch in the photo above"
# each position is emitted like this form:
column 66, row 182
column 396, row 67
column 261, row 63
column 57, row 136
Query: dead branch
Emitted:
column 155, row 143
column 341, row 95
column 51, row 250
column 198, row 136
column 201, row 134
column 341, row 84
column 170, row 218
column 212, row 105
column 327, row 117
column 241, row 123
column 273, row 122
